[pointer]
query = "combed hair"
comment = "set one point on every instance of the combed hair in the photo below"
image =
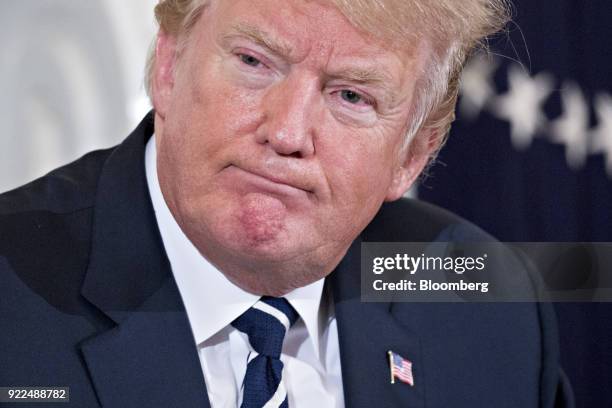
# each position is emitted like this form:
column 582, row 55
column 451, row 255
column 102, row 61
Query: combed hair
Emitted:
column 453, row 29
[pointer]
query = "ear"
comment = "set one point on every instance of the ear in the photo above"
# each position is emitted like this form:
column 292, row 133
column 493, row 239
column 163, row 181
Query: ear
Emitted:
column 163, row 72
column 412, row 161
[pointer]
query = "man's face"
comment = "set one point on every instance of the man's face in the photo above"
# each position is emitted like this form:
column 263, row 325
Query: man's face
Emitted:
column 280, row 130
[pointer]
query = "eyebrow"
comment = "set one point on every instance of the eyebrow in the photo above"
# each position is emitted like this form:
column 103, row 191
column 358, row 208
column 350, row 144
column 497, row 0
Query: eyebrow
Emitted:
column 260, row 37
column 363, row 76
column 368, row 76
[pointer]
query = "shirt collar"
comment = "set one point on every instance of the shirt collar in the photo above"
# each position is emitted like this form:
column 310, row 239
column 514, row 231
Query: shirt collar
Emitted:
column 307, row 301
column 212, row 301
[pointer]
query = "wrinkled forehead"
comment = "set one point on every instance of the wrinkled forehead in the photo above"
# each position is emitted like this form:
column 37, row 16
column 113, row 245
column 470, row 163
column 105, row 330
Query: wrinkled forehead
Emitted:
column 376, row 21
column 314, row 27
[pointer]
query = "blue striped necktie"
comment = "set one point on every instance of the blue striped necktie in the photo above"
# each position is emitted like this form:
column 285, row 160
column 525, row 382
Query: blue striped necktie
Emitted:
column 266, row 323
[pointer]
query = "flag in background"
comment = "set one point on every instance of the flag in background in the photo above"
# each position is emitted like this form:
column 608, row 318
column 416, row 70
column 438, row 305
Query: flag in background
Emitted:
column 530, row 156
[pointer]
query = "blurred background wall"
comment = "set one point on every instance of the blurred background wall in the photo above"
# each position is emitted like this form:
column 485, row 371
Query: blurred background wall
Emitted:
column 71, row 80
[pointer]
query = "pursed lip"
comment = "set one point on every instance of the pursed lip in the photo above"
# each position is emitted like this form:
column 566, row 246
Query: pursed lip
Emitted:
column 282, row 184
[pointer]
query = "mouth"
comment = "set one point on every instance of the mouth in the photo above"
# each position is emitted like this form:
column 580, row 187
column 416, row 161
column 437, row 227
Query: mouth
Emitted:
column 268, row 182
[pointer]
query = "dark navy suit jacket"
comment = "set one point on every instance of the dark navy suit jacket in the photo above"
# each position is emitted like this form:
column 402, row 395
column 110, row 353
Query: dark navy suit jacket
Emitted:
column 88, row 300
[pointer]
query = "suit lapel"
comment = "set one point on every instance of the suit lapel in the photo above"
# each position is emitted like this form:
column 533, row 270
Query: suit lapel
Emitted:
column 149, row 358
column 366, row 332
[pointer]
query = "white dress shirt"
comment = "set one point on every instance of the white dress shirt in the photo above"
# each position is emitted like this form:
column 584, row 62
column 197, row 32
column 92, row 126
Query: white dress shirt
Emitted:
column 311, row 373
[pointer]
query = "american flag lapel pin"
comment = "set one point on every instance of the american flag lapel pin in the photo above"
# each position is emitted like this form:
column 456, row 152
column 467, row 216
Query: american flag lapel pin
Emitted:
column 400, row 368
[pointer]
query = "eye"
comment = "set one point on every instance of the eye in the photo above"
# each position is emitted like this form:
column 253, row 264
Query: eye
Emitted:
column 249, row 60
column 356, row 98
column 351, row 96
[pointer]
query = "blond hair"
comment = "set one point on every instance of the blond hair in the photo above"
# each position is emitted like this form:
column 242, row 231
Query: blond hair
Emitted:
column 454, row 29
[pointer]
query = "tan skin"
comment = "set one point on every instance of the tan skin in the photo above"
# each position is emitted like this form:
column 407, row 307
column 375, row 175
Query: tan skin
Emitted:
column 280, row 130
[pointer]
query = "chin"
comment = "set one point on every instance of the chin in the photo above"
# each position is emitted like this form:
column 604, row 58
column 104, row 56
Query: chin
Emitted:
column 252, row 235
column 262, row 232
column 269, row 249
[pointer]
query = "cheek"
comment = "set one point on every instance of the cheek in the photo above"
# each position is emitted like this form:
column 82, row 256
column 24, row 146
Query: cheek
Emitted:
column 204, row 129
column 357, row 178
column 225, row 110
column 213, row 114
column 358, row 170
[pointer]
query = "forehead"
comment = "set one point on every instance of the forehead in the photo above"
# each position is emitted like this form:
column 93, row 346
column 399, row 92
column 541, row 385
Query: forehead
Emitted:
column 315, row 29
column 302, row 21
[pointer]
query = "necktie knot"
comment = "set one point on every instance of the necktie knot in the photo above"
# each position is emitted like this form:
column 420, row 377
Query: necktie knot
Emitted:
column 266, row 324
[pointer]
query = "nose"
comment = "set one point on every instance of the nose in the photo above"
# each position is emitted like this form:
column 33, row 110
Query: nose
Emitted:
column 290, row 110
